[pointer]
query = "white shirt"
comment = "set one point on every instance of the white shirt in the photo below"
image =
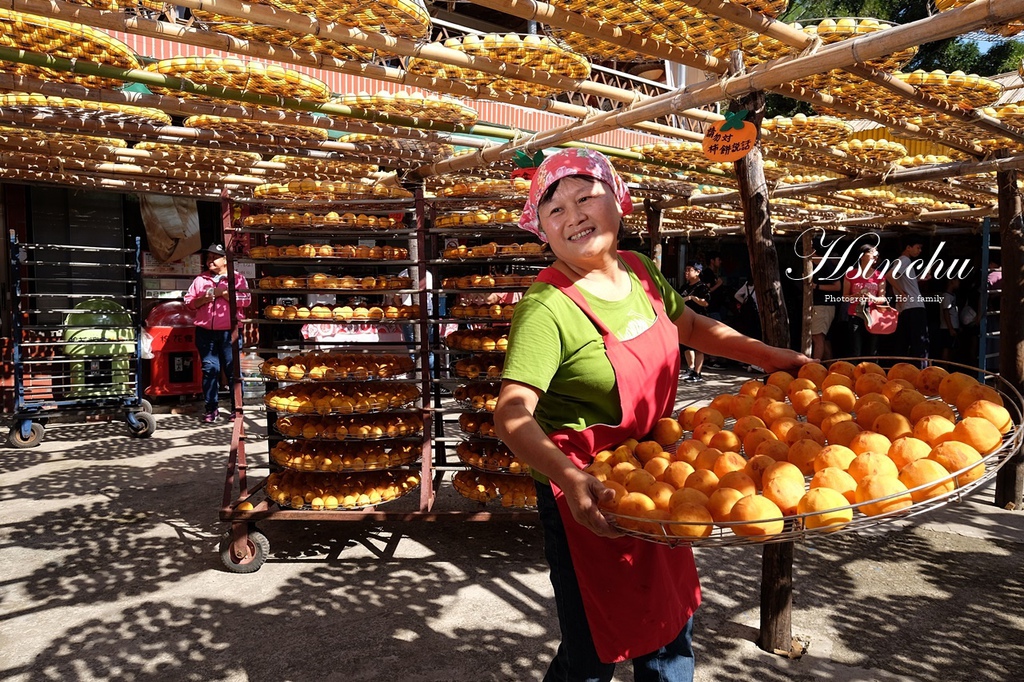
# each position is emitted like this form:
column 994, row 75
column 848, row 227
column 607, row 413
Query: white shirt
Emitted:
column 908, row 291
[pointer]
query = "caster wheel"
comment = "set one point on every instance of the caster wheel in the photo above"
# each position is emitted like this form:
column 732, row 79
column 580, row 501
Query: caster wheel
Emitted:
column 146, row 427
column 257, row 551
column 16, row 440
column 146, row 406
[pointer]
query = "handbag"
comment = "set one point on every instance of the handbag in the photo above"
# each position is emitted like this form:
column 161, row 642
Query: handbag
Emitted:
column 878, row 319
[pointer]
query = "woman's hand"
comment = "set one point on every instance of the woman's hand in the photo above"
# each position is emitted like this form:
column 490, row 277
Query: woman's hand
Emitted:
column 584, row 495
column 776, row 359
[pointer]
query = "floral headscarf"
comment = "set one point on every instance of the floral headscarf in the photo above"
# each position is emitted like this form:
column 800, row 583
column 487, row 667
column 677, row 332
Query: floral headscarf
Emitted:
column 564, row 164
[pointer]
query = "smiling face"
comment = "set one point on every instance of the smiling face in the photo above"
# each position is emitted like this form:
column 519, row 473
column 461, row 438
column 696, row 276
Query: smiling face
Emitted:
column 691, row 274
column 581, row 220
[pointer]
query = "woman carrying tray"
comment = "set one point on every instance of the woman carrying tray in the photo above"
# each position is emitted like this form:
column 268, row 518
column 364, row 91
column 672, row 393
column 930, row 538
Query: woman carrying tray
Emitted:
column 593, row 359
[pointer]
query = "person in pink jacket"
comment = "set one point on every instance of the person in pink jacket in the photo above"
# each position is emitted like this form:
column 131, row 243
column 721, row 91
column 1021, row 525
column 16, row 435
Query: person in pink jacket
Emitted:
column 208, row 297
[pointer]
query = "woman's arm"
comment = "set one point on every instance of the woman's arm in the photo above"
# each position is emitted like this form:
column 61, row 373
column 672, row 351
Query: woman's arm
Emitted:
column 515, row 425
column 710, row 336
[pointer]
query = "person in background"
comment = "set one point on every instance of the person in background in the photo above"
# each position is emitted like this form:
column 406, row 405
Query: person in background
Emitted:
column 863, row 284
column 995, row 277
column 593, row 359
column 949, row 320
column 695, row 294
column 911, row 338
column 208, row 297
column 712, row 276
column 823, row 313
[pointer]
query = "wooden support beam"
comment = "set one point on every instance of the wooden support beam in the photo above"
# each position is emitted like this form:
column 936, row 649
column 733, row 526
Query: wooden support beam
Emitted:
column 777, row 558
column 807, row 252
column 1010, row 479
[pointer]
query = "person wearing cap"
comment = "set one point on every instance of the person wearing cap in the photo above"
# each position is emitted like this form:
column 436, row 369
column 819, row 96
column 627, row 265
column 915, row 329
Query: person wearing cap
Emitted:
column 208, row 297
column 593, row 359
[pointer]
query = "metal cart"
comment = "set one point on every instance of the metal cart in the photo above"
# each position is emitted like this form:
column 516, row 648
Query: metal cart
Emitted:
column 76, row 346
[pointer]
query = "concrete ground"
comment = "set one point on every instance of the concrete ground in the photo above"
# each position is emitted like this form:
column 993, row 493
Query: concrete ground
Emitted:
column 109, row 570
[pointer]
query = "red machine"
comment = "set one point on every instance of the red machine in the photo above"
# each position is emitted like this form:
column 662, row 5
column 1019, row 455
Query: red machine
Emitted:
column 176, row 368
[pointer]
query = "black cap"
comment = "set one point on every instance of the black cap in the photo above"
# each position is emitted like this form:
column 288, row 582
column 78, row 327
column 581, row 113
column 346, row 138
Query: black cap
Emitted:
column 217, row 249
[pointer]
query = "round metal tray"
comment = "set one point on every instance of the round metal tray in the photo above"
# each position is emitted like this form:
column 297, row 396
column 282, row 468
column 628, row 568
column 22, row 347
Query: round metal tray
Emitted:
column 795, row 526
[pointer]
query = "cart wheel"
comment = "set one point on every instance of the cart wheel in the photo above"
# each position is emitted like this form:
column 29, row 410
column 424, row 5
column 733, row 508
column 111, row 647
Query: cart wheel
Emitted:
column 146, row 427
column 16, row 440
column 146, row 406
column 258, row 549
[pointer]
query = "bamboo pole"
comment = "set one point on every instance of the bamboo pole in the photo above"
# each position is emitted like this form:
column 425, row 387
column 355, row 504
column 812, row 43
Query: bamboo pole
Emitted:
column 838, row 55
column 787, row 35
column 738, row 14
column 933, row 172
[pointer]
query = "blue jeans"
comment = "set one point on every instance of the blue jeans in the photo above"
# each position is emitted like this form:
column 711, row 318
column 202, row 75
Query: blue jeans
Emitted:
column 576, row 659
column 215, row 351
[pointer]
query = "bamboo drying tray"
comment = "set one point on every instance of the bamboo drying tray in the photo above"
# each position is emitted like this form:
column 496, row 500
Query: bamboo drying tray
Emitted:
column 412, row 105
column 957, row 88
column 231, row 72
column 873, row 150
column 107, row 112
column 337, row 168
column 44, row 141
column 387, row 146
column 531, row 51
column 683, row 153
column 400, row 18
column 273, row 35
column 242, row 126
column 309, row 189
column 66, row 40
column 491, row 187
column 179, row 153
column 820, row 129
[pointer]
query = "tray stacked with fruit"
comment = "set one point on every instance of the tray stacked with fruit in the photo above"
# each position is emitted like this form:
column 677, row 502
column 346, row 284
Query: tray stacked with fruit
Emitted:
column 356, row 398
column 336, row 428
column 317, row 491
column 320, row 366
column 828, row 450
column 323, row 456
column 514, row 491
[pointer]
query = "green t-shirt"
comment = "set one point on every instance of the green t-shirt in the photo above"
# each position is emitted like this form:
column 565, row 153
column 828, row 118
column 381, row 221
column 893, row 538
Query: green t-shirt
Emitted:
column 554, row 347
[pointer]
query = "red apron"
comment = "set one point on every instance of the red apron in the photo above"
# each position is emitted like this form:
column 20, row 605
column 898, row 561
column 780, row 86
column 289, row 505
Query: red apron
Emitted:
column 637, row 595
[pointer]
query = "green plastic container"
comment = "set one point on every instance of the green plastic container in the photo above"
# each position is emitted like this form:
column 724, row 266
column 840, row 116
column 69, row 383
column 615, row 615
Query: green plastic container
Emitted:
column 101, row 332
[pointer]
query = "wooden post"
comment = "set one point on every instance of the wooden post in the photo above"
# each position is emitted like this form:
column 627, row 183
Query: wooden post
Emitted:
column 807, row 249
column 654, row 216
column 777, row 559
column 1010, row 479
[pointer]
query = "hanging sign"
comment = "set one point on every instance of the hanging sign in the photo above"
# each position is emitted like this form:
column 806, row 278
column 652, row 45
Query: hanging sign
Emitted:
column 730, row 139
